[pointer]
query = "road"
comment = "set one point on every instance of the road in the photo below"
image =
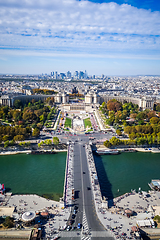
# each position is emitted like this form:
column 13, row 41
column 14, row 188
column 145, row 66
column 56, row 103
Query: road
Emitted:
column 84, row 200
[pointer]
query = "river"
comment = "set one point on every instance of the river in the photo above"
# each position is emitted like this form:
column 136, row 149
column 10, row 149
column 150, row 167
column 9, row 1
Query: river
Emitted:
column 126, row 171
column 39, row 174
column 44, row 174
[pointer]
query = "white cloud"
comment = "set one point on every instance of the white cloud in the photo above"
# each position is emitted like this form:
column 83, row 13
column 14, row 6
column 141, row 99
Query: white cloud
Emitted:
column 77, row 26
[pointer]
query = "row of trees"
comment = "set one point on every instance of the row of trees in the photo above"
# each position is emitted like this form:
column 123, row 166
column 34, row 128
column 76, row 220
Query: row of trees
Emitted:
column 48, row 142
column 142, row 129
column 43, row 91
column 16, row 133
column 137, row 141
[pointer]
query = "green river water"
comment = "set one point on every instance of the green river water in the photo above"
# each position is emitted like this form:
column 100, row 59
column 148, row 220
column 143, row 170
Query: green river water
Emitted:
column 39, row 174
column 44, row 174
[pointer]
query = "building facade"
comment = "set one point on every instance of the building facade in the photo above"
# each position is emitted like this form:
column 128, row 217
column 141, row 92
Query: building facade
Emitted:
column 91, row 99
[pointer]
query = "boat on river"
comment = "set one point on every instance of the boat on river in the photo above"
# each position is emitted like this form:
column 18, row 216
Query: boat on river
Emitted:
column 155, row 185
column 107, row 152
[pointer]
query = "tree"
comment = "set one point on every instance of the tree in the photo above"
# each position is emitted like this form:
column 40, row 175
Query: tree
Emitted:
column 124, row 115
column 42, row 118
column 18, row 104
column 17, row 115
column 18, row 138
column 151, row 114
column 114, row 105
column 38, row 112
column 29, row 116
column 103, row 105
column 132, row 136
column 111, row 117
column 116, row 119
column 108, row 122
column 36, row 132
column 34, row 125
column 11, row 142
column 158, row 107
column 107, row 144
column 133, row 115
column 115, row 141
column 6, row 144
column 48, row 142
column 5, row 138
column 119, row 133
column 39, row 126
column 128, row 129
column 158, row 138
column 141, row 141
column 154, row 120
column 149, row 139
column 55, row 140
column 141, row 116
column 153, row 138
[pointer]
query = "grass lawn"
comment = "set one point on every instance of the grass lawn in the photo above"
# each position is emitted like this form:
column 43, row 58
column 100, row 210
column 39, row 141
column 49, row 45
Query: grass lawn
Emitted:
column 68, row 123
column 87, row 123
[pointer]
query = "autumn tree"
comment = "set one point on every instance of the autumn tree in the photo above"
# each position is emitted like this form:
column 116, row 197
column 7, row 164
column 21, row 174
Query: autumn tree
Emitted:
column 151, row 114
column 133, row 115
column 114, row 105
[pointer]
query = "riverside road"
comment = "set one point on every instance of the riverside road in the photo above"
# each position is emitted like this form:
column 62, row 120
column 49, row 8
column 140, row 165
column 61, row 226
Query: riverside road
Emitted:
column 86, row 213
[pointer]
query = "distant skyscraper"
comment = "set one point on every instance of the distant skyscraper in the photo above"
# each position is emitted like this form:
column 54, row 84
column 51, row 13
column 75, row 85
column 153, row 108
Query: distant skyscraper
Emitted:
column 62, row 75
column 76, row 74
column 81, row 75
column 85, row 74
column 68, row 74
column 56, row 75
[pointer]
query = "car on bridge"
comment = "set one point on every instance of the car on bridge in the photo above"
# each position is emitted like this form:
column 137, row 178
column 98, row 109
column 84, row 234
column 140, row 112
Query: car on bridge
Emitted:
column 79, row 225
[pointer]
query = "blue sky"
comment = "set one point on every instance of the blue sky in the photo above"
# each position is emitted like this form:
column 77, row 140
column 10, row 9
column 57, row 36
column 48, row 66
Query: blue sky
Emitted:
column 113, row 38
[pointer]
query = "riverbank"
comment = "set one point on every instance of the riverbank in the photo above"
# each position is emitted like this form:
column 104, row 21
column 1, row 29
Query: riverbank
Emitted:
column 31, row 151
column 130, row 149
column 15, row 152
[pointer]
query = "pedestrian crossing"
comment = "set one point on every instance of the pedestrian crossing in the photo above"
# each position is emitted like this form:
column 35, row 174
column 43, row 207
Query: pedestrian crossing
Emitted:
column 85, row 233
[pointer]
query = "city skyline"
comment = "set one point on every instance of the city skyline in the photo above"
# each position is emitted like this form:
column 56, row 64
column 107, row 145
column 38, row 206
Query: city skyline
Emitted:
column 110, row 38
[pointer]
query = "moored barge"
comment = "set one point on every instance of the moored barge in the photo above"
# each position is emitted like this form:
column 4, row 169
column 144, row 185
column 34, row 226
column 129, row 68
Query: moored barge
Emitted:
column 155, row 185
column 107, row 152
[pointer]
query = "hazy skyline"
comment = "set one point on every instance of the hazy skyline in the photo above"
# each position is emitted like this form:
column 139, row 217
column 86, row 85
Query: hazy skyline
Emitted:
column 103, row 37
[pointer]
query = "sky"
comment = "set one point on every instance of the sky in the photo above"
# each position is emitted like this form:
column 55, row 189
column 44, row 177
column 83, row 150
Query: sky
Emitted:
column 121, row 37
